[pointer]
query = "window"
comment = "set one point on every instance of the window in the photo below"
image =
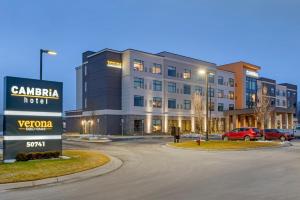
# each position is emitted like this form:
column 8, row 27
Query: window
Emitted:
column 211, row 78
column 212, row 106
column 186, row 89
column 171, row 87
column 211, row 92
column 138, row 101
column 187, row 74
column 277, row 102
column 221, row 80
column 198, row 90
column 220, row 93
column 138, row 82
column 187, row 104
column 172, row 103
column 283, row 93
column 277, row 92
column 283, row 102
column 157, row 85
column 85, row 70
column 231, row 95
column 220, row 107
column 156, row 68
column 251, row 90
column 138, row 125
column 172, row 71
column 138, row 65
column 156, row 125
column 231, row 82
column 157, row 102
column 288, row 94
column 231, row 107
column 85, row 102
column 85, row 86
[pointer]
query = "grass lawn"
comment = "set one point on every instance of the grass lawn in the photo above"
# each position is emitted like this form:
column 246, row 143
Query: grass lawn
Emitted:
column 80, row 160
column 224, row 145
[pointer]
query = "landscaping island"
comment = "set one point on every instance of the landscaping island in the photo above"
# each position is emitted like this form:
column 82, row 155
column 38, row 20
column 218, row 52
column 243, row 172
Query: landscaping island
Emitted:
column 224, row 145
column 80, row 160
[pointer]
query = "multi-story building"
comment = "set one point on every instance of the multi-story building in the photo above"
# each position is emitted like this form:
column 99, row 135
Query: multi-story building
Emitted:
column 250, row 88
column 134, row 92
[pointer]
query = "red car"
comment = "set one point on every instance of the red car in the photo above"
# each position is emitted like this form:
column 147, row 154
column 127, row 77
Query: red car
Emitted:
column 246, row 134
column 275, row 134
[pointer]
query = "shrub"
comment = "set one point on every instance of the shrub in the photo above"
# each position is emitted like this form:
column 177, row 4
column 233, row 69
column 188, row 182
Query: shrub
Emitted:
column 37, row 155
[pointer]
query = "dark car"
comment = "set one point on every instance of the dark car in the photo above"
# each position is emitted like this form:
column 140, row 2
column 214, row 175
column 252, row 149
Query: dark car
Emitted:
column 278, row 134
column 246, row 134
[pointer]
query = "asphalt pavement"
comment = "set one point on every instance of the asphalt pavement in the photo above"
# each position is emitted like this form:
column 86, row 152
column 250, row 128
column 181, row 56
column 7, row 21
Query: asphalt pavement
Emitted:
column 152, row 171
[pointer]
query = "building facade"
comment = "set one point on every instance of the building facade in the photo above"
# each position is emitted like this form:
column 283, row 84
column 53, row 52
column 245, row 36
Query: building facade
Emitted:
column 135, row 92
column 250, row 90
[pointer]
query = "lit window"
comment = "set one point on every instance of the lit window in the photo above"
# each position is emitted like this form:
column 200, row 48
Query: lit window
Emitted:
column 171, row 87
column 157, row 102
column 138, row 101
column 220, row 93
column 187, row 74
column 231, row 95
column 156, row 125
column 138, row 65
column 157, row 85
column 172, row 71
column 138, row 82
column 156, row 68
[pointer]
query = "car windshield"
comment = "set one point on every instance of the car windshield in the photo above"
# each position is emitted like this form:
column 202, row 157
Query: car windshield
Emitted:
column 282, row 130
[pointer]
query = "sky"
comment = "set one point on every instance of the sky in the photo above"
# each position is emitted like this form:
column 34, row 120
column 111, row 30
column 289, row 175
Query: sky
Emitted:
column 264, row 33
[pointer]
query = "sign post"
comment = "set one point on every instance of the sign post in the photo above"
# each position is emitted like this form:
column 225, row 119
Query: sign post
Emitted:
column 32, row 116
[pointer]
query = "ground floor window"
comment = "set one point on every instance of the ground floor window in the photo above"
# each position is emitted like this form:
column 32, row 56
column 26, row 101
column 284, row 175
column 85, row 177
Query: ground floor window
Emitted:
column 186, row 126
column 156, row 126
column 138, row 126
column 172, row 123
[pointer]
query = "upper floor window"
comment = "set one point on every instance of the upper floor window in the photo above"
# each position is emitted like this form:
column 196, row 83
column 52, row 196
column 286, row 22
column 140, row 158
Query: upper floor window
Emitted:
column 171, row 87
column 277, row 92
column 221, row 80
column 212, row 106
column 211, row 78
column 198, row 90
column 220, row 93
column 138, row 82
column 171, row 71
column 231, row 82
column 231, row 107
column 156, row 68
column 187, row 104
column 157, row 85
column 283, row 102
column 187, row 74
column 172, row 103
column 157, row 102
column 138, row 65
column 272, row 91
column 211, row 92
column 288, row 94
column 186, row 89
column 231, row 95
column 220, row 106
column 283, row 93
column 277, row 102
column 138, row 101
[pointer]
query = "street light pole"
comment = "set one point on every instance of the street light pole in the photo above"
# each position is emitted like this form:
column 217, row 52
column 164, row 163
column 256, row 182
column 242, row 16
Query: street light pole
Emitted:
column 50, row 52
column 207, row 124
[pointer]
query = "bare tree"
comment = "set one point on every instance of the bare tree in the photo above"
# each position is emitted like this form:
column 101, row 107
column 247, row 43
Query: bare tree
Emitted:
column 263, row 108
column 198, row 108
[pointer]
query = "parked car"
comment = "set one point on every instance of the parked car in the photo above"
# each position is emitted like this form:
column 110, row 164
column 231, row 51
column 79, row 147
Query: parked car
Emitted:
column 278, row 134
column 246, row 134
column 296, row 132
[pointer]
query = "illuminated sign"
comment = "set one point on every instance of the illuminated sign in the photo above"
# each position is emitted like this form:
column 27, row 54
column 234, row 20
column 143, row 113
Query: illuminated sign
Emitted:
column 252, row 73
column 32, row 116
column 114, row 64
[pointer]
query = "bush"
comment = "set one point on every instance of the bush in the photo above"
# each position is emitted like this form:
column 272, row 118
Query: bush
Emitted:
column 37, row 155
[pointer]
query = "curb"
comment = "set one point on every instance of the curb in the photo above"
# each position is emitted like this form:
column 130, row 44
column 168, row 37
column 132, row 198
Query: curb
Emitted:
column 227, row 150
column 114, row 164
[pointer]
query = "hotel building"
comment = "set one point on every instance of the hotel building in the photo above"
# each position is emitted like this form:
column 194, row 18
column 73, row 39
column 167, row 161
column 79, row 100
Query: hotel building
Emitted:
column 135, row 92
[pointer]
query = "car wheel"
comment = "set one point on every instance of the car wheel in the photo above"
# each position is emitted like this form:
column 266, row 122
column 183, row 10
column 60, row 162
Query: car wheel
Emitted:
column 247, row 138
column 282, row 139
column 225, row 138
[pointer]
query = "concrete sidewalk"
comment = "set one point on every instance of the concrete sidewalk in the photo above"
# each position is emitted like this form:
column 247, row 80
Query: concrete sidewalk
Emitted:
column 111, row 166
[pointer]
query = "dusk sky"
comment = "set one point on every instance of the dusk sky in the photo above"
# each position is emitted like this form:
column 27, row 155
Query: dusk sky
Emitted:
column 265, row 33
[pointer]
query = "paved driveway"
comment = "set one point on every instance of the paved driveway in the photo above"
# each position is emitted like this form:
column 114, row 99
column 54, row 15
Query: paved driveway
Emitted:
column 153, row 172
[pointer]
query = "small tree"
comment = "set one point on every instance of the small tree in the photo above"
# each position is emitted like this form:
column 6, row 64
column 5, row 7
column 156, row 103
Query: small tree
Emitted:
column 263, row 108
column 198, row 110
